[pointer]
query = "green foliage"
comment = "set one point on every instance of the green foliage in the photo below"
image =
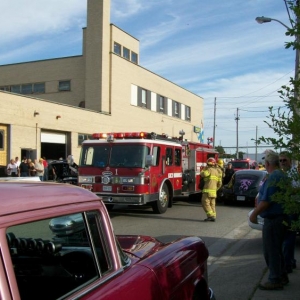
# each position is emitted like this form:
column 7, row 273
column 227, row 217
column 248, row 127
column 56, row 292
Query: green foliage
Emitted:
column 285, row 122
column 220, row 149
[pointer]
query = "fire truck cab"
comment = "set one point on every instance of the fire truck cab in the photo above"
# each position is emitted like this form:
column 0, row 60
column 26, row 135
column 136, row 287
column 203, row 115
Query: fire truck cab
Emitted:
column 138, row 168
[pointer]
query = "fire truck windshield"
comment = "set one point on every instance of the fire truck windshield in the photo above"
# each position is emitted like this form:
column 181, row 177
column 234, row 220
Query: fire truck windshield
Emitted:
column 114, row 155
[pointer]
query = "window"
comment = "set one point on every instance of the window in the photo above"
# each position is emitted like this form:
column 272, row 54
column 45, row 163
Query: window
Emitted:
column 126, row 53
column 39, row 88
column 96, row 156
column 129, row 156
column 169, row 156
column 117, row 48
column 187, row 113
column 177, row 157
column 64, row 85
column 176, row 109
column 1, row 139
column 5, row 88
column 16, row 89
column 156, row 155
column 26, row 89
column 82, row 137
column 161, row 104
column 66, row 252
column 144, row 97
column 134, row 57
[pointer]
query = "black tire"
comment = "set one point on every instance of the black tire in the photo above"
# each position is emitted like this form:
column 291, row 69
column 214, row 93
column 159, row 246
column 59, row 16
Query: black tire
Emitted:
column 161, row 206
column 109, row 207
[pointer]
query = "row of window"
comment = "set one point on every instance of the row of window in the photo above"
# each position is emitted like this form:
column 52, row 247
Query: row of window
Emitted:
column 125, row 52
column 35, row 88
column 144, row 100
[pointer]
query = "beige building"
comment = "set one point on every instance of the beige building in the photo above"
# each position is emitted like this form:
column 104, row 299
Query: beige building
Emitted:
column 48, row 107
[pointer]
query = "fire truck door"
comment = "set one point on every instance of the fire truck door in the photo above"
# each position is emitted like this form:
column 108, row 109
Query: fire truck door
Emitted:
column 194, row 166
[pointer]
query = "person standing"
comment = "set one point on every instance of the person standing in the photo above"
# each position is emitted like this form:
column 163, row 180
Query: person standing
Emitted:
column 12, row 169
column 39, row 167
column 228, row 173
column 24, row 168
column 274, row 229
column 289, row 242
column 212, row 182
column 46, row 171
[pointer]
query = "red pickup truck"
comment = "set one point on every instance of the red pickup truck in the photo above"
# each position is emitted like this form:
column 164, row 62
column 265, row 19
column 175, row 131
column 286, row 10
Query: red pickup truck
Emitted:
column 57, row 242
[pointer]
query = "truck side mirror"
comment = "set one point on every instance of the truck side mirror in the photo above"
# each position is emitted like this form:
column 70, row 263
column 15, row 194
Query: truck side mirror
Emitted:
column 150, row 160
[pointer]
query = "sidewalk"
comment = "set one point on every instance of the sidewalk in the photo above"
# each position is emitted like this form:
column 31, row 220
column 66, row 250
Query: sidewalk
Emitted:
column 290, row 291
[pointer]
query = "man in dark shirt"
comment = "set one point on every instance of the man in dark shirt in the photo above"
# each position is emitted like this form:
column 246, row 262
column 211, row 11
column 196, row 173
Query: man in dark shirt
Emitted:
column 274, row 228
column 24, row 168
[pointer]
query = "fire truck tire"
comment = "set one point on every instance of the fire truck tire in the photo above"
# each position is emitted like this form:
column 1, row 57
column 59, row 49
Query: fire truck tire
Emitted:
column 161, row 206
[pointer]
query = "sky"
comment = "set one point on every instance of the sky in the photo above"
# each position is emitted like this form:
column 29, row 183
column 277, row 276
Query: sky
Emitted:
column 214, row 49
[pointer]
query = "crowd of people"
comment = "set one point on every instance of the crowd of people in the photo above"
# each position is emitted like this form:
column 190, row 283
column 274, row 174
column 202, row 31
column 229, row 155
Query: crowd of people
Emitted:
column 281, row 183
column 28, row 168
column 279, row 238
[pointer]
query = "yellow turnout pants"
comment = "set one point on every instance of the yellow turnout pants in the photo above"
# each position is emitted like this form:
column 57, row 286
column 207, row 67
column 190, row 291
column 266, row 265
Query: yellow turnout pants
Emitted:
column 209, row 205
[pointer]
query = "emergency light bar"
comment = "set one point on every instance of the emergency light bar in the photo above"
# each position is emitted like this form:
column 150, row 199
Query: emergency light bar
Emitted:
column 120, row 135
column 131, row 135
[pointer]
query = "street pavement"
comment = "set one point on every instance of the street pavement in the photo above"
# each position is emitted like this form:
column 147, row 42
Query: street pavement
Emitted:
column 290, row 292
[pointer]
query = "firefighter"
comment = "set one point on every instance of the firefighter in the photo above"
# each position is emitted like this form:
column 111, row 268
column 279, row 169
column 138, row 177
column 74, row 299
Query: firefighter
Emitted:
column 213, row 181
column 220, row 168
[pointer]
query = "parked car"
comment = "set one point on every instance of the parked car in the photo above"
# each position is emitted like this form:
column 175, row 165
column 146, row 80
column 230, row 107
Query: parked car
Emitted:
column 63, row 171
column 243, row 186
column 57, row 242
column 242, row 164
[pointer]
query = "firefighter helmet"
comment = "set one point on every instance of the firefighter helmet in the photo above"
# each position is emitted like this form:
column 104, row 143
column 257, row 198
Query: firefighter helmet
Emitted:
column 211, row 161
column 220, row 162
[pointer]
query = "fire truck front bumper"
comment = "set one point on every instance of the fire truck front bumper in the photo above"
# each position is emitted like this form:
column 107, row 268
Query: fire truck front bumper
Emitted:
column 129, row 199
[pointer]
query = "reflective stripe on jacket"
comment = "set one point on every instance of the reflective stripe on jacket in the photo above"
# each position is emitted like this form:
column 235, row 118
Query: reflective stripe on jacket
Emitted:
column 212, row 180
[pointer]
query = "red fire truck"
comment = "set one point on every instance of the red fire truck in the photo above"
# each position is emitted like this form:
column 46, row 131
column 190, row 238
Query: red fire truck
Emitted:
column 138, row 168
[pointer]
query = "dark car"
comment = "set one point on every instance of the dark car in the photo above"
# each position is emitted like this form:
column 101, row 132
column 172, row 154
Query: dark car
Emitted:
column 63, row 171
column 243, row 186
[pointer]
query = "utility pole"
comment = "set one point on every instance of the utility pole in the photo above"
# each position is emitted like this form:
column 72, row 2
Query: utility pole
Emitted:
column 237, row 133
column 214, row 132
column 256, row 145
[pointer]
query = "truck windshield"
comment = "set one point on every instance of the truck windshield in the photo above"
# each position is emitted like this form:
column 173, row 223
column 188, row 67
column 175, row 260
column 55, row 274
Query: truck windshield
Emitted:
column 128, row 156
column 94, row 155
column 132, row 156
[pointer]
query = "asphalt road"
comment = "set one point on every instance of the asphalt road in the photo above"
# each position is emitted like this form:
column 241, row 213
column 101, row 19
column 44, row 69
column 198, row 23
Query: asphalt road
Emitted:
column 235, row 265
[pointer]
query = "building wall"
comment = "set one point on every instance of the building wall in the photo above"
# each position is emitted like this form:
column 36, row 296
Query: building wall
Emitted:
column 97, row 56
column 106, row 82
column 51, row 72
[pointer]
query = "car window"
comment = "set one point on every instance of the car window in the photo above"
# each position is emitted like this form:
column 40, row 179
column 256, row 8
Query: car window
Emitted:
column 55, row 257
column 245, row 181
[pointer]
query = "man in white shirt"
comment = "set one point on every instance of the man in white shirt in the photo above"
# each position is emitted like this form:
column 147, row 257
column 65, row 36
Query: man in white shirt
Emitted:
column 12, row 169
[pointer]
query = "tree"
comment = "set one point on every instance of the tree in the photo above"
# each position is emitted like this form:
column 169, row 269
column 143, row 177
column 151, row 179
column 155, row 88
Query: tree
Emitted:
column 285, row 122
column 220, row 149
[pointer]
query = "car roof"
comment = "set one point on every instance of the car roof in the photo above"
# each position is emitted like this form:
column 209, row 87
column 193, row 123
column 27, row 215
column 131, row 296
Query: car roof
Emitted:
column 21, row 196
column 251, row 171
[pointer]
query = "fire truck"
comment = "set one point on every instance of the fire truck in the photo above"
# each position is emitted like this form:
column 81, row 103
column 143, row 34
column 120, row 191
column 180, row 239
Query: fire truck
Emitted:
column 140, row 168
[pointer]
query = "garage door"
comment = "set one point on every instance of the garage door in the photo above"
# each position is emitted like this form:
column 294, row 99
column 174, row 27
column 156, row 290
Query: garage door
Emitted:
column 53, row 137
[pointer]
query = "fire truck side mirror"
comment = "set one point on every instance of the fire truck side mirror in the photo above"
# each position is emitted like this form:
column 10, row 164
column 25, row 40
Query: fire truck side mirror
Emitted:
column 150, row 160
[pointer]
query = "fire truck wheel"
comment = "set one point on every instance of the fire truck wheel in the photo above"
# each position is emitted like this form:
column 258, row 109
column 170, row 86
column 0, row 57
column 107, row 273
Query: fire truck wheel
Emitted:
column 161, row 205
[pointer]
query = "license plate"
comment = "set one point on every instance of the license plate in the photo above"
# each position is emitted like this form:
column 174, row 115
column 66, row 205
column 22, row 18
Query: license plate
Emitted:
column 107, row 188
column 240, row 198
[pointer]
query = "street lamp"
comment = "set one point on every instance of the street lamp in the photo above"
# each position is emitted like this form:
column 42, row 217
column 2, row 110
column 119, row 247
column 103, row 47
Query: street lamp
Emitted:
column 262, row 20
